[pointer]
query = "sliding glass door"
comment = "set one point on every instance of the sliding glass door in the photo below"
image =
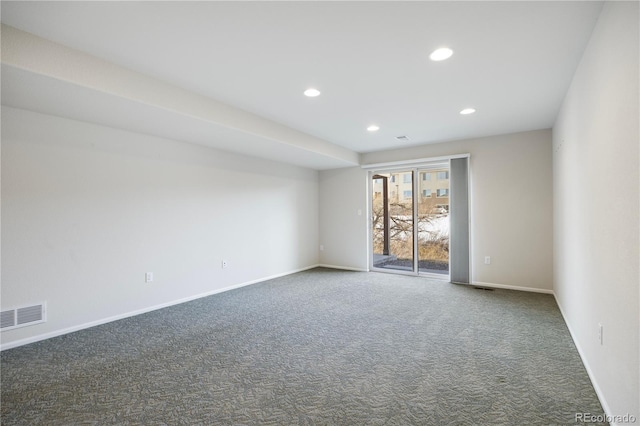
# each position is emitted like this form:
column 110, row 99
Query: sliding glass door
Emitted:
column 392, row 220
column 410, row 220
column 433, row 220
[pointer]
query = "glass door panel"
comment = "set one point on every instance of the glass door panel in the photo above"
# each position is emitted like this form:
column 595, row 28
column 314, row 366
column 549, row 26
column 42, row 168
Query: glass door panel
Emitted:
column 392, row 221
column 433, row 220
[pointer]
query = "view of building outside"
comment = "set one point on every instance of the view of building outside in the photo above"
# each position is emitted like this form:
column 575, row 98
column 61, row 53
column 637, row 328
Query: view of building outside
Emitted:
column 433, row 184
column 393, row 244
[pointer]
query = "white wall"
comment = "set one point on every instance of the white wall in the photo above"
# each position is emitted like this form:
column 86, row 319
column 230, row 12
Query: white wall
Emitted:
column 87, row 210
column 596, row 209
column 343, row 218
column 511, row 183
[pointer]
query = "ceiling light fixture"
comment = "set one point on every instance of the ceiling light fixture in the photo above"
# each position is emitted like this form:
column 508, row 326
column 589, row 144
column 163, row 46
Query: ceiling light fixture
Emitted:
column 467, row 111
column 441, row 54
column 311, row 92
column 373, row 128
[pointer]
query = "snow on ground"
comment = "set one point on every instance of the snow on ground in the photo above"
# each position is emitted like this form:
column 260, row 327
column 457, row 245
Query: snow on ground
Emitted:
column 436, row 227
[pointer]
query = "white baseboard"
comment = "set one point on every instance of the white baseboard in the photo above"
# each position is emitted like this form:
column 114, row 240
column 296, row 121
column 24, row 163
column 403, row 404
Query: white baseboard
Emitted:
column 346, row 268
column 512, row 287
column 592, row 377
column 84, row 326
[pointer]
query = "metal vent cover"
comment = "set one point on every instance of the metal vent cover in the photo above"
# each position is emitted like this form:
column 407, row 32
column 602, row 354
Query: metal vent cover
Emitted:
column 22, row 316
column 29, row 314
column 7, row 319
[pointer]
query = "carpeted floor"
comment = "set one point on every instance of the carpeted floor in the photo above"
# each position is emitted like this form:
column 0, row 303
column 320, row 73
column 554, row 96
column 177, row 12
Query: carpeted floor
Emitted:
column 321, row 347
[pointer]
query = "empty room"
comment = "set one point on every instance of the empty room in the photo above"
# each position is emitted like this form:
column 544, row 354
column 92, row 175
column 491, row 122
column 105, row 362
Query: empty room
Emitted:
column 320, row 213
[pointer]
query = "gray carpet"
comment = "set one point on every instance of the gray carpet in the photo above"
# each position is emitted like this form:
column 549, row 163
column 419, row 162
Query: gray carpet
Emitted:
column 321, row 347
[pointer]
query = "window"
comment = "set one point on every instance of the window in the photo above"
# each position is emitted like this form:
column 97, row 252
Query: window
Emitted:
column 407, row 178
column 426, row 176
column 442, row 176
column 407, row 194
column 442, row 192
column 426, row 193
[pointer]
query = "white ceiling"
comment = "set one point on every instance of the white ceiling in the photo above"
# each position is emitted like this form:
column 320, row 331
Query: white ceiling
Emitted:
column 513, row 61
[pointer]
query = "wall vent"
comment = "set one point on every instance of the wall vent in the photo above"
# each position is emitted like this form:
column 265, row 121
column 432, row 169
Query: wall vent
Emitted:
column 7, row 319
column 22, row 316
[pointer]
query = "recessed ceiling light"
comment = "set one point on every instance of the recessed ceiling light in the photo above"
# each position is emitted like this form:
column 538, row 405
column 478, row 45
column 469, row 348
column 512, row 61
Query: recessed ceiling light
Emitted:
column 373, row 128
column 467, row 111
column 311, row 92
column 441, row 54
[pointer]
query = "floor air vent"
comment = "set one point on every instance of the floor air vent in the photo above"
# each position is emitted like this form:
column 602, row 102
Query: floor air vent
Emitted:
column 23, row 316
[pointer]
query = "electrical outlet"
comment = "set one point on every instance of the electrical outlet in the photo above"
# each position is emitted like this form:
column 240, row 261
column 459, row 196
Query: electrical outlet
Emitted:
column 225, row 263
column 148, row 277
column 321, row 247
column 487, row 260
column 600, row 334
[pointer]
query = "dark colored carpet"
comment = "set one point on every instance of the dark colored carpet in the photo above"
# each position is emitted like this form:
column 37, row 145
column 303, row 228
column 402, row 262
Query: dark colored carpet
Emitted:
column 321, row 347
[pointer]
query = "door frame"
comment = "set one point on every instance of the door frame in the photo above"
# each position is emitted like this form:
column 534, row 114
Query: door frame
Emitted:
column 413, row 166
